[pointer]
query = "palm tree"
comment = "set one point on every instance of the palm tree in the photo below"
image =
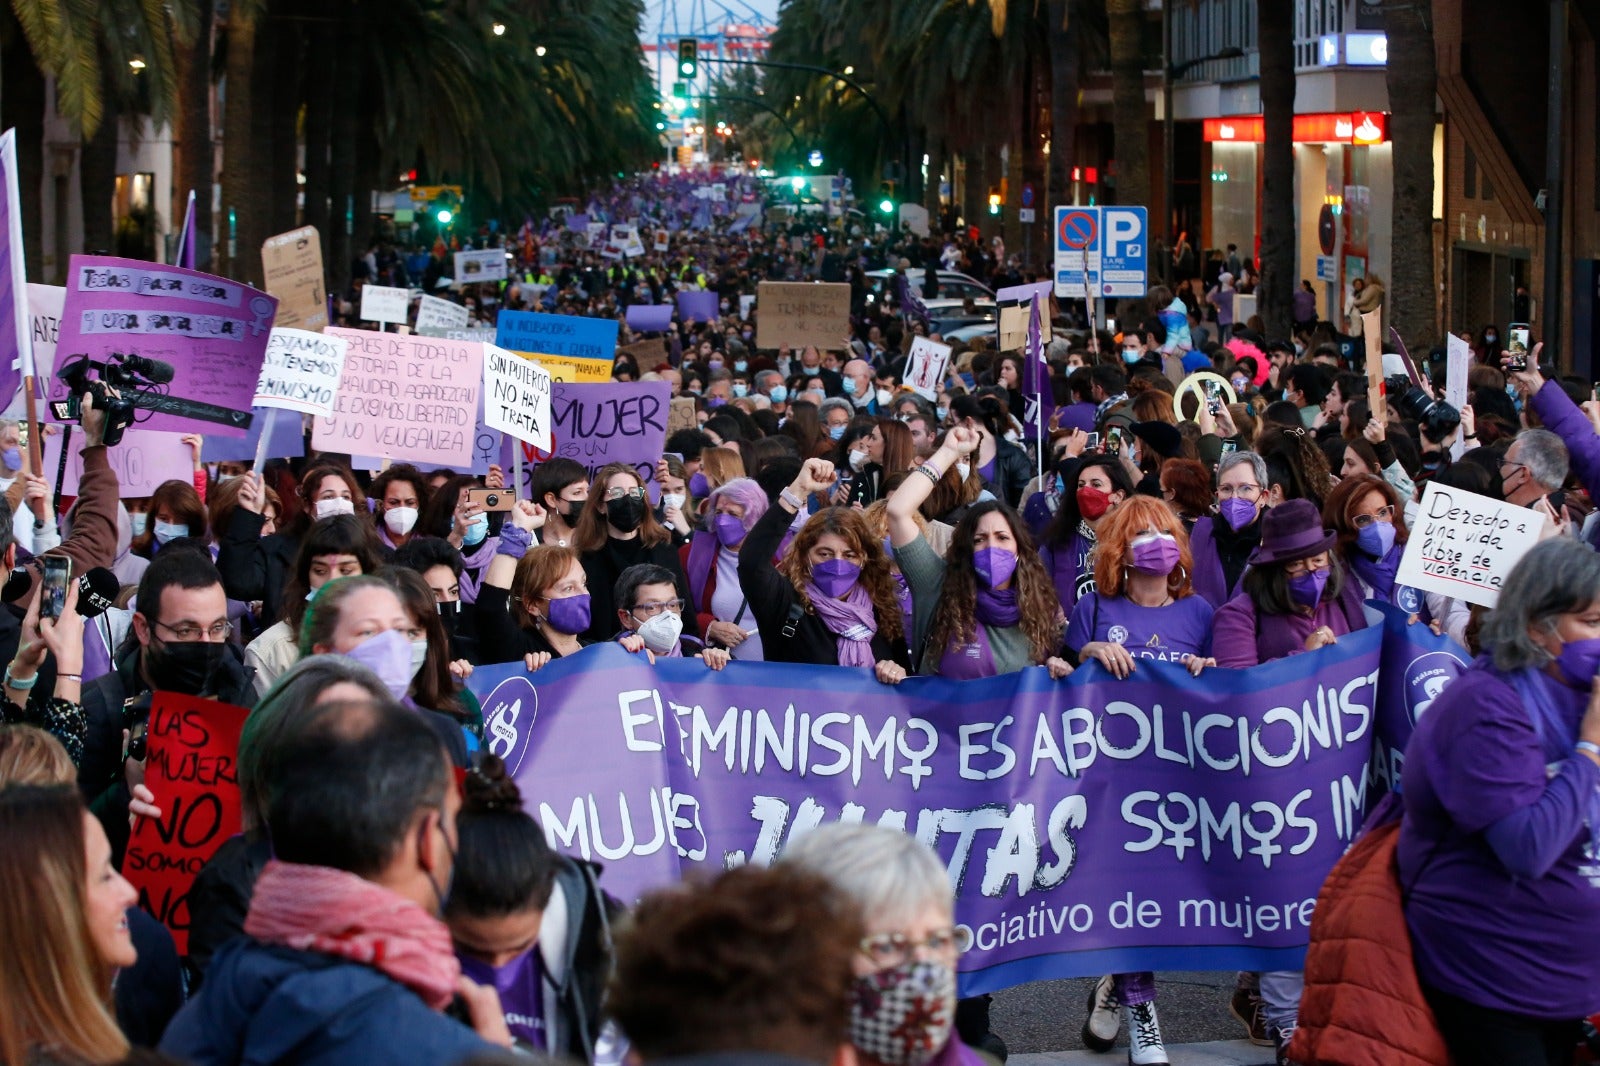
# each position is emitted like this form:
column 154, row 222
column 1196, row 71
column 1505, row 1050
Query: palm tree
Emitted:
column 1130, row 115
column 1411, row 80
column 1275, row 42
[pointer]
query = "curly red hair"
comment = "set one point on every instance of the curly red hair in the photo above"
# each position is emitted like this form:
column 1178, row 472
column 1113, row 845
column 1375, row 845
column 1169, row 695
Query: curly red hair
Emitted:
column 1114, row 539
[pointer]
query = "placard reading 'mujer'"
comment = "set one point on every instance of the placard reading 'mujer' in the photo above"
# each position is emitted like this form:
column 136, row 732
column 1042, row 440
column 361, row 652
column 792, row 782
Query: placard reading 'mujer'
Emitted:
column 404, row 397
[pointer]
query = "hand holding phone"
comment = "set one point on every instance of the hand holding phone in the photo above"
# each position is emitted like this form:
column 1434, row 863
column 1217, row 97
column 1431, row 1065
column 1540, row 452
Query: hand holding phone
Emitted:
column 491, row 499
column 53, row 599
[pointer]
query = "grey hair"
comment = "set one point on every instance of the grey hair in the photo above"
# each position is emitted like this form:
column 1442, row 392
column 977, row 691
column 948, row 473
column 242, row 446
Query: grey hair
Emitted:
column 893, row 877
column 830, row 403
column 1058, row 350
column 1258, row 466
column 764, row 378
column 1545, row 456
column 1560, row 576
column 282, row 713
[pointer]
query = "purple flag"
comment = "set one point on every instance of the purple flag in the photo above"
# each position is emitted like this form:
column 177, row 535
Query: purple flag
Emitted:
column 697, row 305
column 911, row 302
column 186, row 237
column 16, row 336
column 649, row 317
column 1041, row 397
column 1089, row 825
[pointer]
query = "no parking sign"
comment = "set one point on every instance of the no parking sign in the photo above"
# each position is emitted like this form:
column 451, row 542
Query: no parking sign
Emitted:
column 1104, row 250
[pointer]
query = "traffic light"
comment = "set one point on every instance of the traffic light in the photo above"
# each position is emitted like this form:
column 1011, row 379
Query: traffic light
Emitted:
column 446, row 206
column 996, row 198
column 886, row 197
column 688, row 57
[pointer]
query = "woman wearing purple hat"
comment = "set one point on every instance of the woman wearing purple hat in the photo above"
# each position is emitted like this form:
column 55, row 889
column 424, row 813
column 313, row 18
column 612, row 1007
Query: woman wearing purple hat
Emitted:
column 1296, row 595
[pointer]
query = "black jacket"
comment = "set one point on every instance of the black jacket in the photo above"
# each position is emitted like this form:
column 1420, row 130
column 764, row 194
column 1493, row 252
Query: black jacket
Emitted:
column 1012, row 471
column 776, row 605
column 605, row 564
column 575, row 943
column 220, row 898
column 255, row 567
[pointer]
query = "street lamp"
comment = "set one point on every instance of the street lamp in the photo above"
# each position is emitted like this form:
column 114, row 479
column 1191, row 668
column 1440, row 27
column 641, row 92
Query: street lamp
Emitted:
column 539, row 51
column 1170, row 74
column 499, row 29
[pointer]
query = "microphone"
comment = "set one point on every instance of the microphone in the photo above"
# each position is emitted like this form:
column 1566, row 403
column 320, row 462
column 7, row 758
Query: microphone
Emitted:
column 153, row 370
column 97, row 589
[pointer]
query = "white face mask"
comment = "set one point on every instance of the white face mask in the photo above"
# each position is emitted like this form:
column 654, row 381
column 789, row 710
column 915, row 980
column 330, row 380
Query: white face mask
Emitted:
column 329, row 508
column 670, row 500
column 884, row 397
column 400, row 520
column 661, row 633
column 419, row 655
column 858, row 460
column 137, row 521
column 963, row 469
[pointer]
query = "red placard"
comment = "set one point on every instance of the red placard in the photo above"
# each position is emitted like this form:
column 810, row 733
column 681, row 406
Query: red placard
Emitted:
column 192, row 767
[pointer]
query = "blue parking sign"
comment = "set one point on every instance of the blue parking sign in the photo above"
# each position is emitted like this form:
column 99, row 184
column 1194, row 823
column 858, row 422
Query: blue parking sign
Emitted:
column 1124, row 251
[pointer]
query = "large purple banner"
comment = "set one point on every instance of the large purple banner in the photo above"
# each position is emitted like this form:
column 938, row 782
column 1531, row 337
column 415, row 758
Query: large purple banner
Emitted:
column 212, row 331
column 1090, row 826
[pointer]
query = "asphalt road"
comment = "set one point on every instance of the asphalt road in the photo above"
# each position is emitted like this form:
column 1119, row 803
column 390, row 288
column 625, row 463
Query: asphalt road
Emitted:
column 1047, row 1015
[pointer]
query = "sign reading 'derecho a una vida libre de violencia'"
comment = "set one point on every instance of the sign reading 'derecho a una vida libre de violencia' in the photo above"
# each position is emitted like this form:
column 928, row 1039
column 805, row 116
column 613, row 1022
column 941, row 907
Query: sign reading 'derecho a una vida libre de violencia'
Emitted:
column 1464, row 545
column 404, row 397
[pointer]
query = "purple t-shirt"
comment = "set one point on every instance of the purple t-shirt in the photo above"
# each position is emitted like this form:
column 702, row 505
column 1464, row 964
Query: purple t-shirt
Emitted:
column 1526, row 945
column 1172, row 633
column 1079, row 416
column 521, row 987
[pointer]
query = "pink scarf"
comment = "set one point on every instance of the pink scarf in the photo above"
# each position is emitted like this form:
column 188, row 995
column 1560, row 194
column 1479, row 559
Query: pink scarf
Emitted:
column 851, row 620
column 317, row 908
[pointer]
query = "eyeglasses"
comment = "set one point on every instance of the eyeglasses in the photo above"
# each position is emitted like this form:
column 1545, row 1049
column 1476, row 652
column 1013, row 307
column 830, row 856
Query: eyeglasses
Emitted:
column 187, row 631
column 1303, row 566
column 617, row 494
column 1382, row 514
column 645, row 611
column 896, row 949
column 1243, row 492
column 1515, row 466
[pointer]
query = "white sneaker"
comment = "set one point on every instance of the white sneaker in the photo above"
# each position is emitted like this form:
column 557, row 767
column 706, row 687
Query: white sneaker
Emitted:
column 1101, row 1027
column 1144, row 1036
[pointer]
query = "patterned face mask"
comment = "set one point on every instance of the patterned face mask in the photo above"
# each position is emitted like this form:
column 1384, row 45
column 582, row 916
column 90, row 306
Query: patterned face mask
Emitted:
column 903, row 1016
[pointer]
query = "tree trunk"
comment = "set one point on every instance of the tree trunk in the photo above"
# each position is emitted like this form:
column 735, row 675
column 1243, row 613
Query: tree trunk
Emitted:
column 1275, row 36
column 1064, row 77
column 97, row 179
column 1412, row 83
column 938, row 164
column 237, row 148
column 342, row 165
column 22, row 98
column 196, row 162
column 282, row 173
column 972, row 185
column 1129, row 113
column 318, row 96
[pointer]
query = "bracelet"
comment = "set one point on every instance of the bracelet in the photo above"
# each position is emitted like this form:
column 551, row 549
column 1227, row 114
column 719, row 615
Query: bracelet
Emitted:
column 928, row 471
column 21, row 685
column 514, row 542
column 788, row 497
column 70, row 677
column 1587, row 746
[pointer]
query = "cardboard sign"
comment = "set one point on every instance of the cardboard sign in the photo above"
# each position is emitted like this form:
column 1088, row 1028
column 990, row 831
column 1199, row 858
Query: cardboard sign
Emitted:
column 301, row 371
column 434, row 313
column 292, row 265
column 622, row 422
column 404, row 397
column 662, row 239
column 682, row 415
column 1015, row 303
column 566, row 335
column 487, row 264
column 141, row 462
column 193, row 768
column 926, row 364
column 516, row 396
column 1377, row 399
column 1464, row 545
column 801, row 315
column 385, row 303
column 212, row 331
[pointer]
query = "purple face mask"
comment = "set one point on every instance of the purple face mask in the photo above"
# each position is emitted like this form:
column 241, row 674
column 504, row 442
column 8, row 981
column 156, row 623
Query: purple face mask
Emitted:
column 1579, row 661
column 835, row 577
column 1237, row 513
column 699, row 487
column 1156, row 554
column 994, row 565
column 1376, row 539
column 389, row 656
column 1306, row 589
column 729, row 530
column 569, row 614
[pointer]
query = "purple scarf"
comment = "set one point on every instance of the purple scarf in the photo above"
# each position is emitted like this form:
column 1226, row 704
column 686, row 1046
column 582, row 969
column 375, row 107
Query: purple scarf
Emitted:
column 851, row 620
column 1377, row 573
column 998, row 607
column 474, row 563
column 1556, row 726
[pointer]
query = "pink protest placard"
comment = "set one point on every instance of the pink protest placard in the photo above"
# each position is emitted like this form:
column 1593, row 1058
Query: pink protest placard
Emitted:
column 405, row 397
column 211, row 331
column 142, row 461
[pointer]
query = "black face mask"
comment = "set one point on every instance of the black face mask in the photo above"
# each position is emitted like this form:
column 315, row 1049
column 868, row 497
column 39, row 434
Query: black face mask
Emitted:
column 190, row 666
column 449, row 616
column 625, row 513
